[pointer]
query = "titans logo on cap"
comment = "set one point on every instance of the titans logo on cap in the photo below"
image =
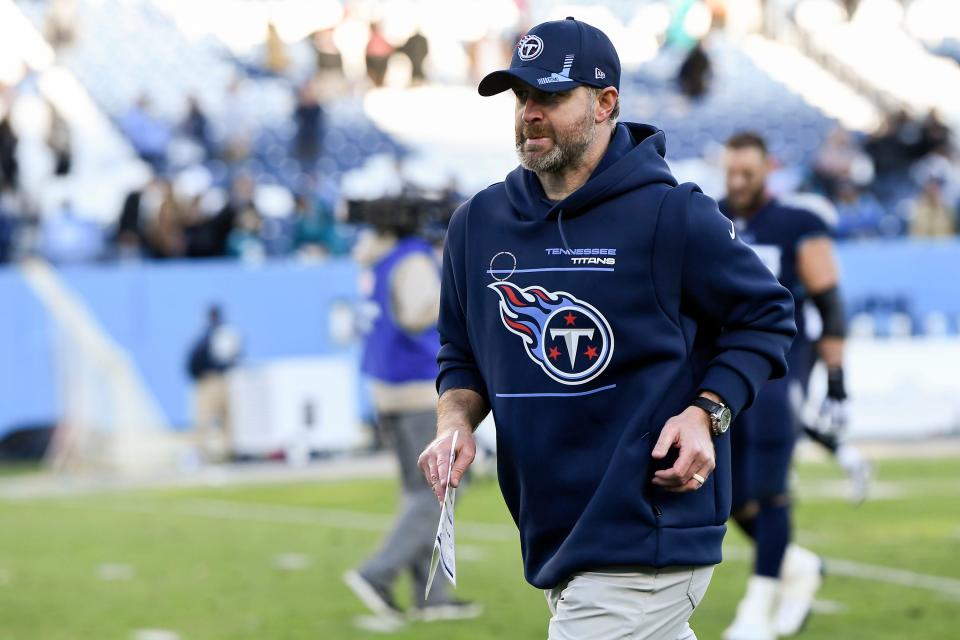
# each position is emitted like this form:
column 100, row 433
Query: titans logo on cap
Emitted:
column 529, row 47
column 569, row 339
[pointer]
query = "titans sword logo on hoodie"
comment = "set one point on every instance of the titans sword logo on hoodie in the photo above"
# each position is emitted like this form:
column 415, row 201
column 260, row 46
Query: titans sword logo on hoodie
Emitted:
column 569, row 339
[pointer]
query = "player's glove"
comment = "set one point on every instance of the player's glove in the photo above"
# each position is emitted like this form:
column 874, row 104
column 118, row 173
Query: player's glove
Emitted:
column 833, row 412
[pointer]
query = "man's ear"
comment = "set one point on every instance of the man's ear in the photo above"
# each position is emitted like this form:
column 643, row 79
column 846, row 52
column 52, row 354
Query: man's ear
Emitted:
column 606, row 101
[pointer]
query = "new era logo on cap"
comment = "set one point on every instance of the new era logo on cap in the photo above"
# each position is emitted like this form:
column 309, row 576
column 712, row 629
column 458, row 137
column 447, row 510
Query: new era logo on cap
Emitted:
column 558, row 56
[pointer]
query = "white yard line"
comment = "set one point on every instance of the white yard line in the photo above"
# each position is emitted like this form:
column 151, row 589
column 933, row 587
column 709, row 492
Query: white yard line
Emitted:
column 364, row 521
column 282, row 514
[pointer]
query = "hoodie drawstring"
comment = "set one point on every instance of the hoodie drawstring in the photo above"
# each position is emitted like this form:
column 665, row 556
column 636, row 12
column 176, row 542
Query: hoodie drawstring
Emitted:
column 563, row 238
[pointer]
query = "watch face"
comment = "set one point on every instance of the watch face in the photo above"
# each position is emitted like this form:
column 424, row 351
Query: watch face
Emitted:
column 725, row 416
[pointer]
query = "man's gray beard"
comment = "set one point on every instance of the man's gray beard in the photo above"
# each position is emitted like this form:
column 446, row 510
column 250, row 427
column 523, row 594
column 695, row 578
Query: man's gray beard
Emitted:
column 566, row 153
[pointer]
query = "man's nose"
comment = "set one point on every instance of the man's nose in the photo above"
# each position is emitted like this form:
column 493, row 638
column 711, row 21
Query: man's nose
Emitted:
column 532, row 110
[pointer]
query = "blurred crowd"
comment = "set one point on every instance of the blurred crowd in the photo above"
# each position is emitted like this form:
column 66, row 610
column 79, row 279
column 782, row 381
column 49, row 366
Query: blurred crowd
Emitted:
column 208, row 194
column 204, row 198
column 903, row 179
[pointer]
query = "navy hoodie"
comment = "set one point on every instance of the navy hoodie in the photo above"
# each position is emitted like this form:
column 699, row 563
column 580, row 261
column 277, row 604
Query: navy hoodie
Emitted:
column 587, row 323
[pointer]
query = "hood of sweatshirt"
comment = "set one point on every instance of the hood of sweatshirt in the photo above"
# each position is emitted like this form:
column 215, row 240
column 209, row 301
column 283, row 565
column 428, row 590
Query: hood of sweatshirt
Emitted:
column 634, row 158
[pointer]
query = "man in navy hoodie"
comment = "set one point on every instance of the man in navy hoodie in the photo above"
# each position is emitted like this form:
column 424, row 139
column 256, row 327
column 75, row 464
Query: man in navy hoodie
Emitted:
column 613, row 323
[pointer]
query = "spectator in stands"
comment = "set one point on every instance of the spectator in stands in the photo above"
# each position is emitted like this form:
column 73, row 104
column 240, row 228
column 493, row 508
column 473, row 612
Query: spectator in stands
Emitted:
column 859, row 215
column 416, row 48
column 242, row 192
column 890, row 146
column 245, row 241
column 59, row 141
column 841, row 161
column 931, row 215
column 309, row 118
column 164, row 231
column 378, row 54
column 8, row 230
column 206, row 235
column 196, row 125
column 850, row 6
column 330, row 80
column 66, row 238
column 934, row 135
column 218, row 350
column 276, row 60
column 9, row 166
column 329, row 58
column 314, row 228
column 60, row 24
column 139, row 207
column 149, row 135
column 695, row 72
column 237, row 122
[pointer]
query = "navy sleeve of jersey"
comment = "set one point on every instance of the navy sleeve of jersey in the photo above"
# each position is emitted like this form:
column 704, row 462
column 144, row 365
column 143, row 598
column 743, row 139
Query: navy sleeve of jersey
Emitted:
column 458, row 366
column 807, row 224
column 727, row 286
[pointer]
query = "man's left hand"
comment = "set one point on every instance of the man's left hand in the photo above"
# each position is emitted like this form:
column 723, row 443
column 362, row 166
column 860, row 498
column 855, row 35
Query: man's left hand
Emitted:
column 689, row 432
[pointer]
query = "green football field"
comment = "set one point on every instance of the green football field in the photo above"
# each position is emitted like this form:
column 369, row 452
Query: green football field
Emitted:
column 265, row 562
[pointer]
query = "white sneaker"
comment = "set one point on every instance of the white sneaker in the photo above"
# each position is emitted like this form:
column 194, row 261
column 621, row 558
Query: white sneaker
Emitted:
column 377, row 600
column 800, row 577
column 754, row 620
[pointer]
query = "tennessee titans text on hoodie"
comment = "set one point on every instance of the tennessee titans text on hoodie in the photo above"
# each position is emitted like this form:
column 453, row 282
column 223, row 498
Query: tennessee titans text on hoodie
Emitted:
column 587, row 323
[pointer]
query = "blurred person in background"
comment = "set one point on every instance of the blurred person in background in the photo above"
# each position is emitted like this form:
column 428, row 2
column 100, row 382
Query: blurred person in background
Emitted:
column 695, row 72
column 891, row 148
column 237, row 119
column 196, row 125
column 276, row 60
column 315, row 231
column 245, row 240
column 416, row 48
column 606, row 457
column 859, row 215
column 164, row 230
column 795, row 245
column 931, row 215
column 67, row 238
column 9, row 164
column 60, row 23
column 934, row 134
column 148, row 133
column 840, row 161
column 217, row 350
column 9, row 226
column 330, row 79
column 378, row 54
column 329, row 58
column 308, row 116
column 130, row 236
column 60, row 142
column 400, row 358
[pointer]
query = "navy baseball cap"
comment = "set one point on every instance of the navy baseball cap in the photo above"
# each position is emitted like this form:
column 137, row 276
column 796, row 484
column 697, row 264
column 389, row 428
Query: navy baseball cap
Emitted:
column 559, row 56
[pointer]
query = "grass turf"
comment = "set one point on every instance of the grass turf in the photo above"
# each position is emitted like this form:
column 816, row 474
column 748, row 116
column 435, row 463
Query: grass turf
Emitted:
column 203, row 561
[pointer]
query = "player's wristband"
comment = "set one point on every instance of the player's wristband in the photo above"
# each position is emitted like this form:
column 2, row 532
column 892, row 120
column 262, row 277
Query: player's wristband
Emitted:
column 835, row 386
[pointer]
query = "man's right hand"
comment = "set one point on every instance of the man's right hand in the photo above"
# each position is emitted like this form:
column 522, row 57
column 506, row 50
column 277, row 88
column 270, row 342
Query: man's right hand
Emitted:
column 435, row 459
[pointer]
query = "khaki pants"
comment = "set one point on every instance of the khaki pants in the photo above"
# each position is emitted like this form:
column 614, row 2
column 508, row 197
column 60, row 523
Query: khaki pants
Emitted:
column 640, row 603
column 212, row 409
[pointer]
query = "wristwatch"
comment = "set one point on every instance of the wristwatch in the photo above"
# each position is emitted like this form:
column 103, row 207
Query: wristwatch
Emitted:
column 720, row 414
